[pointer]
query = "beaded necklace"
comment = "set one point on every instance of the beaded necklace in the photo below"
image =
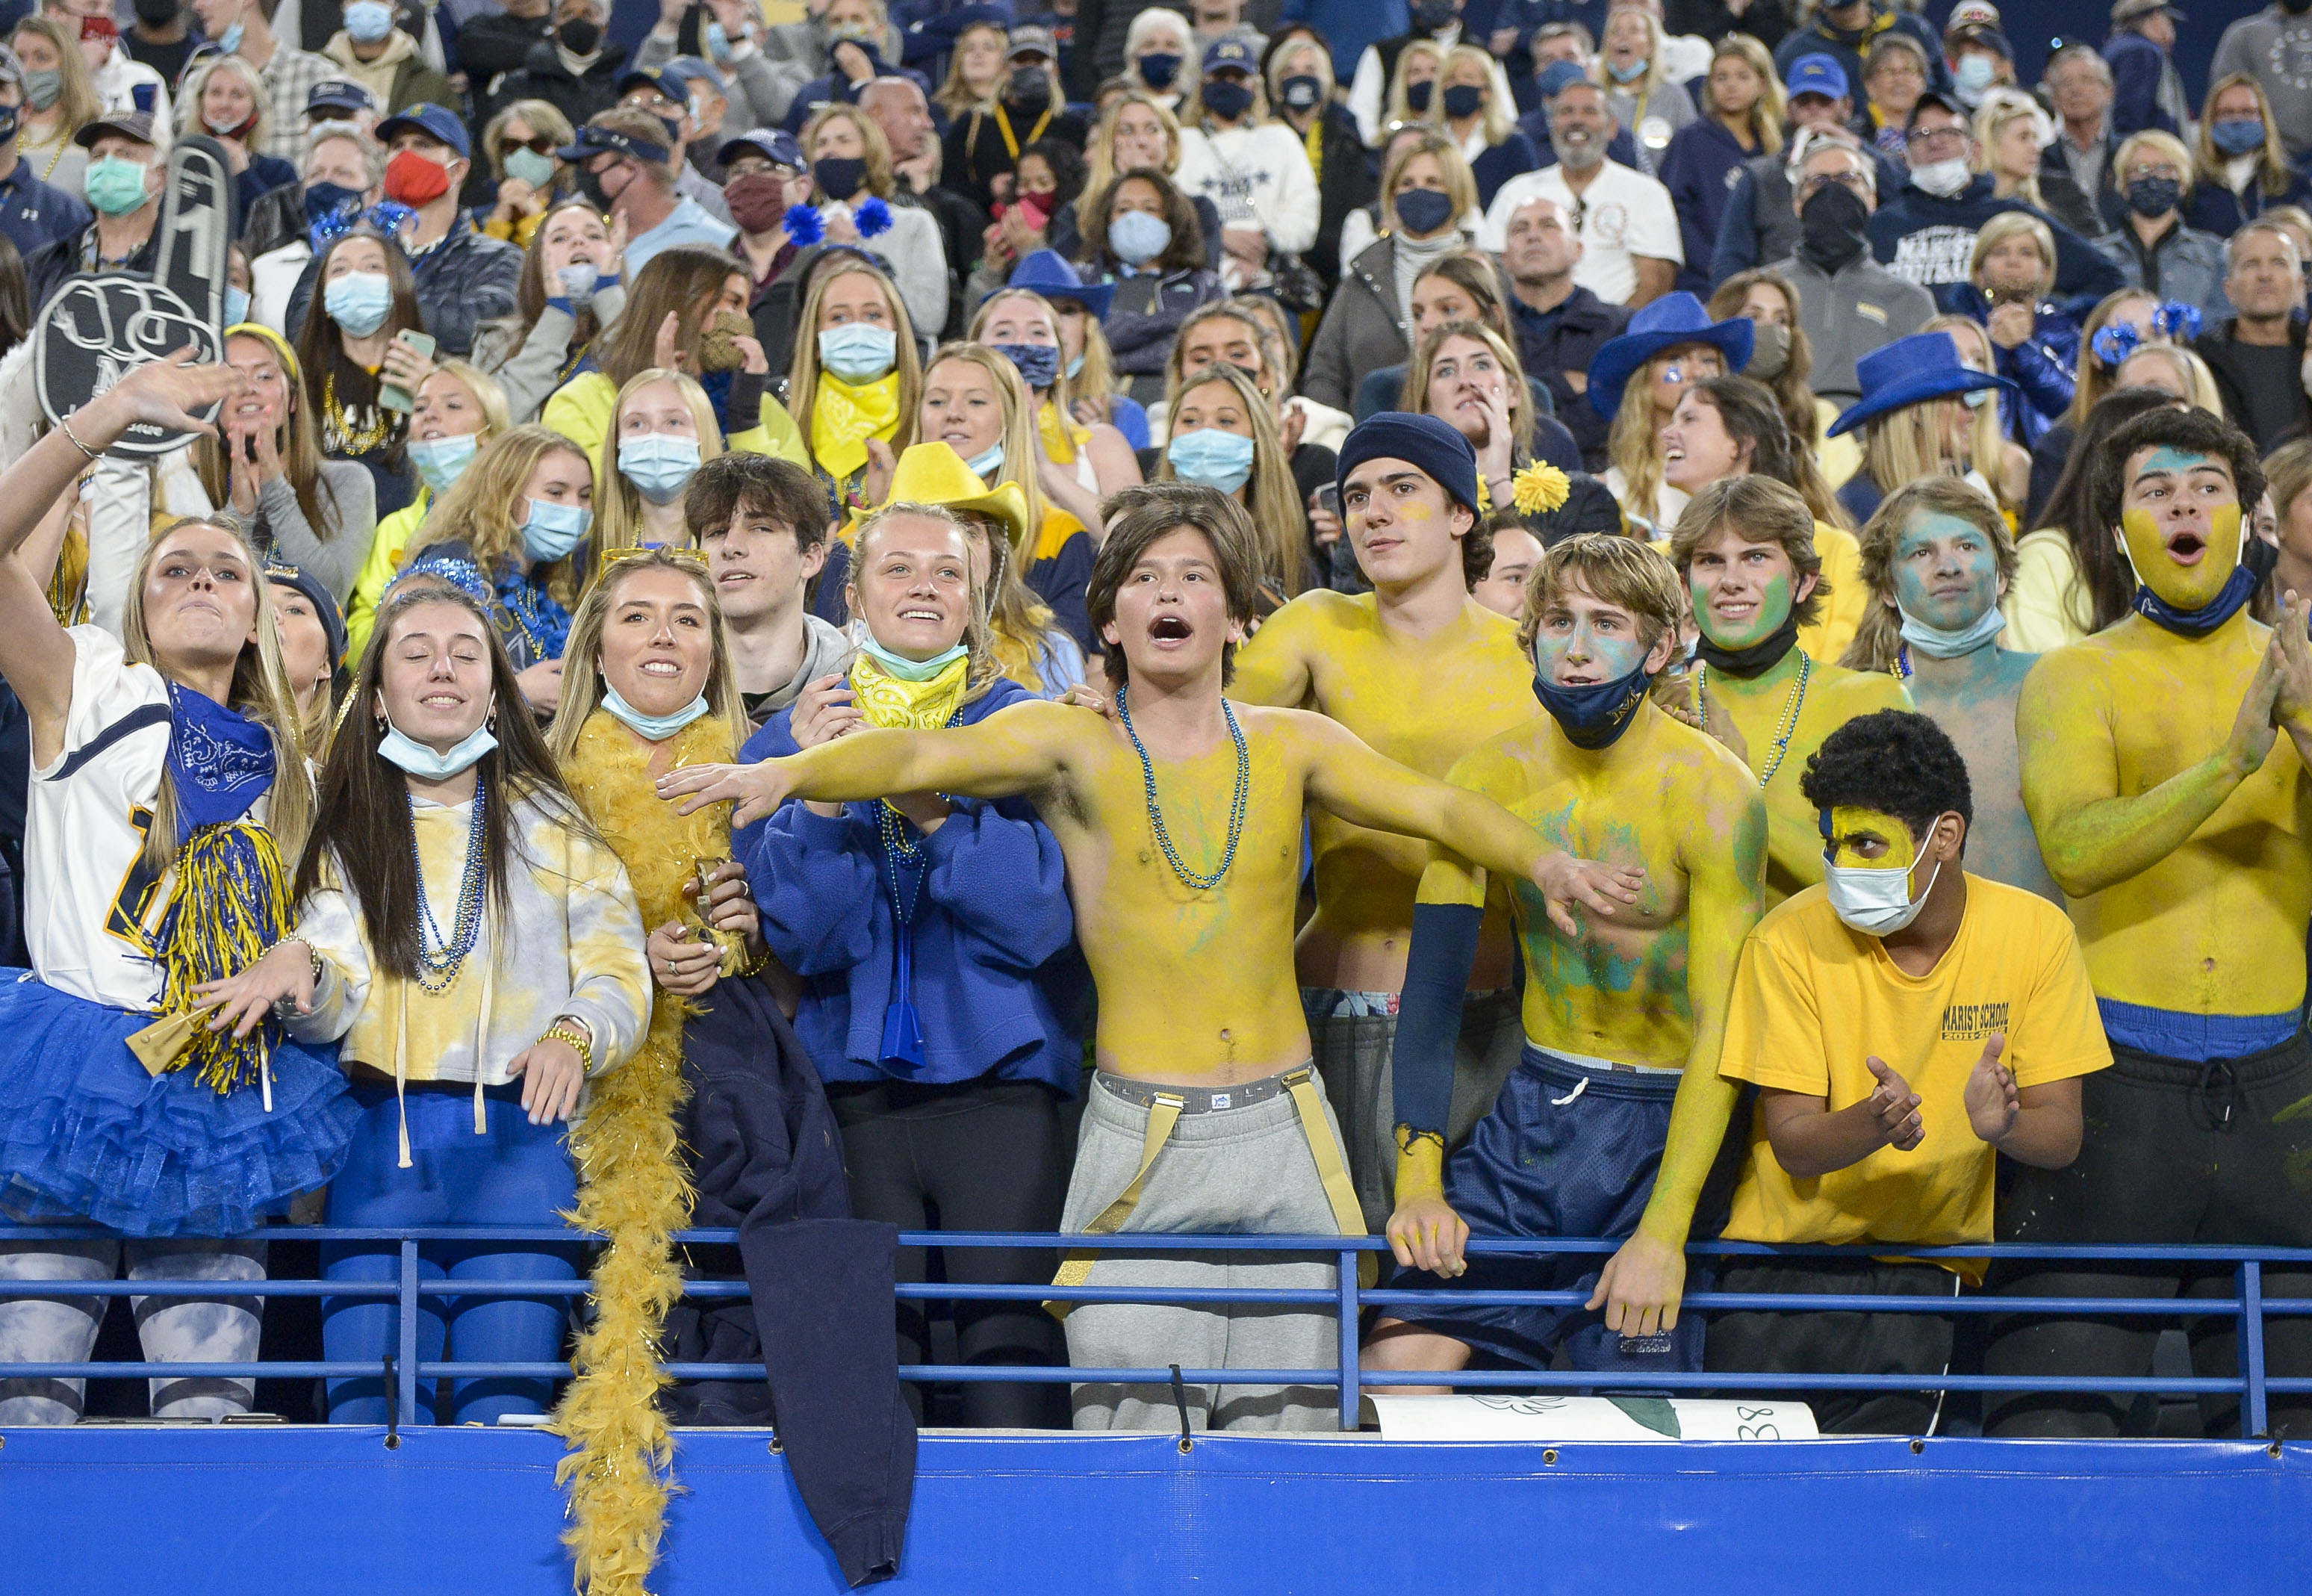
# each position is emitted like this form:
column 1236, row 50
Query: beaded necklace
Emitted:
column 354, row 438
column 1236, row 806
column 1901, row 669
column 1789, row 724
column 439, row 959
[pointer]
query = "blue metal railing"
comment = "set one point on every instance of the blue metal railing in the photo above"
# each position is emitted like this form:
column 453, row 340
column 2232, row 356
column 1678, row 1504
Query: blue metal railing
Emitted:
column 1346, row 1300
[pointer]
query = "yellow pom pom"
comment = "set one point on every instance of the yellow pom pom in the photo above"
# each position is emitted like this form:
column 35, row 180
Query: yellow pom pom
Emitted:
column 1541, row 487
column 1485, row 499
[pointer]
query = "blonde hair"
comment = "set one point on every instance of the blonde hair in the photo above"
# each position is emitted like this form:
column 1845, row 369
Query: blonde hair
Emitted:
column 1460, row 185
column 1878, row 642
column 875, row 148
column 582, row 654
column 979, row 643
column 1616, row 570
column 1272, row 498
column 77, row 101
column 618, row 505
column 955, row 96
column 297, row 438
column 488, row 396
column 803, row 369
column 1415, row 396
column 189, row 95
column 1766, row 113
column 1279, row 59
column 1999, row 108
column 1656, row 77
column 260, row 690
column 1192, row 109
column 2205, row 395
column 1238, row 311
column 2095, row 378
column 545, row 118
column 2007, row 224
column 2164, row 144
column 2272, row 168
column 1100, row 157
column 1499, row 123
column 1396, row 109
column 1022, row 445
column 483, row 508
column 1986, row 436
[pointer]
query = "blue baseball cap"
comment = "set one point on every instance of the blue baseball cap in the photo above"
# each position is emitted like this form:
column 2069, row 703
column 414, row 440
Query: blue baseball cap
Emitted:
column 338, row 93
column 434, row 121
column 687, row 70
column 775, row 145
column 651, row 77
column 1560, row 76
column 1230, row 52
column 1817, row 74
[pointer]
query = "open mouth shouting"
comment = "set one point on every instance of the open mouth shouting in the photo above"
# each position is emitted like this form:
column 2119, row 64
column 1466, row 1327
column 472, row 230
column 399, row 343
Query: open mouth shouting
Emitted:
column 2185, row 545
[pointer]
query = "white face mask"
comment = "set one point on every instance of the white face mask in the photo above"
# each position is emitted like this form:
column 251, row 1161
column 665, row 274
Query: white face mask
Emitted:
column 1876, row 903
column 1944, row 178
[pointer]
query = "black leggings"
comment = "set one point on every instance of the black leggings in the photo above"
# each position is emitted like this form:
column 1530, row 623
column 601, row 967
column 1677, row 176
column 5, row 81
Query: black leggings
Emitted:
column 981, row 1155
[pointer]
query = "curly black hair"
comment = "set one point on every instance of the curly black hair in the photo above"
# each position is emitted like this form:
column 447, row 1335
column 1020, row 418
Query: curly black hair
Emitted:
column 2193, row 430
column 1895, row 761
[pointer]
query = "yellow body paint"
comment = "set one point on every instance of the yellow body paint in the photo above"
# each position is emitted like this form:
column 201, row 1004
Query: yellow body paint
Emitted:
column 1853, row 827
column 2187, row 587
column 1424, row 703
column 2213, row 926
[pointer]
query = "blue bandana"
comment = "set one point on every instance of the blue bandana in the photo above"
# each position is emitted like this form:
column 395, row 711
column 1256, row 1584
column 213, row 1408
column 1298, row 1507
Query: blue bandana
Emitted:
column 2256, row 561
column 220, row 762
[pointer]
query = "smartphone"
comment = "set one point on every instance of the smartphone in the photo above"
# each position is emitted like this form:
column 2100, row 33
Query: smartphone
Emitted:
column 391, row 397
column 1328, row 499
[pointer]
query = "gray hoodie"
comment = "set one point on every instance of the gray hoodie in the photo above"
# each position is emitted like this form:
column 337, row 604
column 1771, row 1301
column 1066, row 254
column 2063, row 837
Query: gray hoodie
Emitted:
column 826, row 652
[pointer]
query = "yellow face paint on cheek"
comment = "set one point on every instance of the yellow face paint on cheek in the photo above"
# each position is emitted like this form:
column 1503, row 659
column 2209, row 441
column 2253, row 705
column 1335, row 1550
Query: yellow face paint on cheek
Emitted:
column 2185, row 586
column 1851, row 824
column 1416, row 512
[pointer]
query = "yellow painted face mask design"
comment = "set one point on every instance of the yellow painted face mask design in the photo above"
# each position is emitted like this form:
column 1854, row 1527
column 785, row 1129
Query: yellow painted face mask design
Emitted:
column 2182, row 587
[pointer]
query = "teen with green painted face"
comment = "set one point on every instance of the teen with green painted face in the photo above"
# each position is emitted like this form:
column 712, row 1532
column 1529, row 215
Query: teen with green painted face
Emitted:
column 1938, row 559
column 1746, row 548
column 2175, row 819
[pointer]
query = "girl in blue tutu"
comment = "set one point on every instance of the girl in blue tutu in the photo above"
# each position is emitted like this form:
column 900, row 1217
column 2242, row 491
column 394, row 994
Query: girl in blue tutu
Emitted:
column 168, row 782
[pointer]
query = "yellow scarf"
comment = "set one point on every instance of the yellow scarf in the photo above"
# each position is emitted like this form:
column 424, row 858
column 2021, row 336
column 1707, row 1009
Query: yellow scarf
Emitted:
column 894, row 704
column 844, row 417
column 1062, row 438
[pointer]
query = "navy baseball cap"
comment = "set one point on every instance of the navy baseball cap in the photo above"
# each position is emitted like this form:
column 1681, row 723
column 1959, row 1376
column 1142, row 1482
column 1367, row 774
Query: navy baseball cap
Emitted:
column 1817, row 74
column 434, row 121
column 281, row 573
column 775, row 144
column 1230, row 52
column 593, row 141
column 651, row 78
column 337, row 93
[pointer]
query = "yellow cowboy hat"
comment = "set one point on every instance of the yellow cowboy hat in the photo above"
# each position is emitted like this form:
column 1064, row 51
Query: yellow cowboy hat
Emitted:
column 935, row 473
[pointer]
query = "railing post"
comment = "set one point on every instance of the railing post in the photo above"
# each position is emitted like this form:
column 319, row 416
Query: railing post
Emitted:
column 406, row 1397
column 1351, row 1395
column 2252, row 1419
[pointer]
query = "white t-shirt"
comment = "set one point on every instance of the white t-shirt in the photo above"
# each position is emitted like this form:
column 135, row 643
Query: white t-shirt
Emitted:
column 1623, row 212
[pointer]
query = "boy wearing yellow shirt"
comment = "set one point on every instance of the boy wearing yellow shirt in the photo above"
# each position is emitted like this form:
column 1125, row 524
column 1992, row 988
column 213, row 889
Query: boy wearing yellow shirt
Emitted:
column 1901, row 1022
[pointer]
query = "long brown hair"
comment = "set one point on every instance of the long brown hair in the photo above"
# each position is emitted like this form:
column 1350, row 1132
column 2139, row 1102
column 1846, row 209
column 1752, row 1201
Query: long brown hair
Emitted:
column 682, row 281
column 2070, row 509
column 582, row 656
column 1792, row 389
column 1747, row 410
column 298, row 439
column 320, row 345
column 362, row 814
column 1415, row 397
column 531, row 292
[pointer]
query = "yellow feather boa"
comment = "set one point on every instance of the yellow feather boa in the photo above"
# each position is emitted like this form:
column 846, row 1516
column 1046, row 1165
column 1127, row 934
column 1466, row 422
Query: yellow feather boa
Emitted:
column 633, row 1185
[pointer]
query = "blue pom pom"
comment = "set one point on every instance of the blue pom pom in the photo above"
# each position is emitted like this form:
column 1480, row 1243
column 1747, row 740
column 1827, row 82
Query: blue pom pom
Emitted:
column 872, row 217
column 802, row 225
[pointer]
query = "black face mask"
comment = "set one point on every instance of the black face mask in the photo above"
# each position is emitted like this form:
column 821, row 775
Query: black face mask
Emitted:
column 1225, row 100
column 590, row 184
column 1417, row 95
column 839, row 176
column 1031, row 86
column 7, row 123
column 2296, row 8
column 580, row 37
column 1757, row 660
column 1830, row 228
column 156, row 13
column 1431, row 16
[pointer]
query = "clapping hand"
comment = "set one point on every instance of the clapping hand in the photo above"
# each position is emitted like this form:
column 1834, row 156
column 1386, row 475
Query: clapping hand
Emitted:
column 1895, row 1107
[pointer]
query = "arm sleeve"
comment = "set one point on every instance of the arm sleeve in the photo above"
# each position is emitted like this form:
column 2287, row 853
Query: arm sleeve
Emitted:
column 817, row 881
column 529, row 373
column 610, row 973
column 920, row 257
column 2046, row 387
column 349, row 499
column 1004, row 880
column 2135, row 92
column 758, row 103
column 1736, row 249
column 1653, row 226
column 1443, row 952
column 1365, row 92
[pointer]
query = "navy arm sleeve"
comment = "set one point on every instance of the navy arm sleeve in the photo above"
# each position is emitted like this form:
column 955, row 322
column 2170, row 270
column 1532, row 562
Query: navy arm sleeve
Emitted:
column 1429, row 1016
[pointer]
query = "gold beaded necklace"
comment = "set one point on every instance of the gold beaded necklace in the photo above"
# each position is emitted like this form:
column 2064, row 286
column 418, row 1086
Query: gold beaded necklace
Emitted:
column 1787, row 728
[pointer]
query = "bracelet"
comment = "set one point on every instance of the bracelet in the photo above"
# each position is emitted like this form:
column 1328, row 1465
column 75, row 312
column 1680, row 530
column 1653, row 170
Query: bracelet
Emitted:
column 572, row 1031
column 759, row 963
column 63, row 426
column 285, row 1008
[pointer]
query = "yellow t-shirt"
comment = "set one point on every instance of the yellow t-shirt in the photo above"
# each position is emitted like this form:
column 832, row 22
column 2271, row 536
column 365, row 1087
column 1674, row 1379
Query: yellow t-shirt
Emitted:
column 1842, row 611
column 1813, row 999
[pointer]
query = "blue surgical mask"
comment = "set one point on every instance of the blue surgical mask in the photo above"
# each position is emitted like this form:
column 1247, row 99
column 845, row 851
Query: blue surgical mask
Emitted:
column 658, row 465
column 1938, row 643
column 552, row 530
column 368, row 21
column 1138, row 237
column 908, row 669
column 228, row 41
column 657, row 728
column 718, row 41
column 858, row 352
column 1593, row 717
column 441, row 462
column 531, row 167
column 359, row 301
column 236, row 306
column 1212, row 458
column 2238, row 136
column 1974, row 73
column 1039, row 363
column 1627, row 75
column 1075, row 366
column 427, row 764
column 990, row 462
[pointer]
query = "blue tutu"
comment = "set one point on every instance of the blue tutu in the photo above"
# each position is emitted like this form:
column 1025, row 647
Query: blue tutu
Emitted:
column 86, row 1131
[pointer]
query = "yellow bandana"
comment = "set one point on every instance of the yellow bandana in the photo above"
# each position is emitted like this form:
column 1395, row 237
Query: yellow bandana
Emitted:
column 1062, row 438
column 894, row 704
column 844, row 417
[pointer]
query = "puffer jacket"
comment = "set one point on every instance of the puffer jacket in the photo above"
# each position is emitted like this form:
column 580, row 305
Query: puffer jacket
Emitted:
column 464, row 280
column 2044, row 366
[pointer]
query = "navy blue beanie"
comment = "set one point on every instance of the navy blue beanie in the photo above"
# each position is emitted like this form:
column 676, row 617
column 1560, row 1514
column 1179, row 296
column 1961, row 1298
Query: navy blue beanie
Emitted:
column 324, row 602
column 1448, row 457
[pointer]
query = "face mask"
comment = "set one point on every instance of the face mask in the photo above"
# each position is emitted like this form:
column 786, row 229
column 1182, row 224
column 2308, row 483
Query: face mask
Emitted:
column 1974, row 73
column 1029, row 86
column 908, row 669
column 1417, row 95
column 1936, row 642
column 1464, row 100
column 228, row 129
column 1876, row 903
column 236, row 306
column 41, row 88
column 1212, row 458
column 986, row 465
column 368, row 21
column 427, row 764
column 114, row 186
column 552, row 530
column 2153, row 198
column 1974, row 398
column 7, row 123
column 528, row 166
column 2255, row 563
column 1434, row 17
column 1423, row 211
column 1225, row 100
column 657, row 728
column 1157, row 70
column 718, row 40
column 718, row 341
column 359, row 301
column 2238, row 136
column 156, row 13
column 1944, row 180
column 1770, row 352
column 324, row 200
column 857, row 33
column 1627, row 75
column 228, row 41
column 577, row 280
column 839, row 176
column 1075, row 366
column 1039, row 363
column 1594, row 717
column 1300, row 92
column 658, row 465
column 580, row 37
column 857, row 352
column 757, row 201
column 412, row 180
column 442, row 461
column 1138, row 237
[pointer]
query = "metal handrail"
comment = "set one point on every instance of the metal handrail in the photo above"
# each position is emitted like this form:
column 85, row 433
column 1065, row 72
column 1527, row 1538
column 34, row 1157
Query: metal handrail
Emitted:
column 1347, row 1300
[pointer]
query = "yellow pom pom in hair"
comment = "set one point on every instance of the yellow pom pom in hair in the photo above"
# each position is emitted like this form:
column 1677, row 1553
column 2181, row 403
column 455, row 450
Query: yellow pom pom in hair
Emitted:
column 1540, row 487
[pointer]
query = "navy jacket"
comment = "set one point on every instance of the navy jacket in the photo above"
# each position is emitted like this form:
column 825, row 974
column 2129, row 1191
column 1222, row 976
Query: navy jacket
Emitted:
column 35, row 215
column 464, row 280
column 2214, row 208
column 1700, row 169
column 1821, row 39
column 1566, row 340
column 1927, row 240
column 2137, row 66
column 1512, row 157
column 997, row 981
column 2044, row 366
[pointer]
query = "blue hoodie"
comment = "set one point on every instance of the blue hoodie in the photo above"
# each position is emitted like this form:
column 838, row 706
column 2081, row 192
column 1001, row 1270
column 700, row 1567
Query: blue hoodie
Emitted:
column 1928, row 240
column 1700, row 169
column 998, row 982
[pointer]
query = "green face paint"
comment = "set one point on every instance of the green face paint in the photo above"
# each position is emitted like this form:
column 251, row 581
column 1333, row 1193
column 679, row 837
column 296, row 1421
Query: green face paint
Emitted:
column 1730, row 632
column 1946, row 574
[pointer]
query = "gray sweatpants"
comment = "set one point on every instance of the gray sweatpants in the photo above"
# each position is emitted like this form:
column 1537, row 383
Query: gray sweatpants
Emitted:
column 1244, row 1170
column 1353, row 1052
column 172, row 1329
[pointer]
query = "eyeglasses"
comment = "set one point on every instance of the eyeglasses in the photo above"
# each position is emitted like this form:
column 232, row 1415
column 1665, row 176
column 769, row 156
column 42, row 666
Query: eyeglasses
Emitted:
column 1815, row 182
column 545, row 144
column 1919, row 138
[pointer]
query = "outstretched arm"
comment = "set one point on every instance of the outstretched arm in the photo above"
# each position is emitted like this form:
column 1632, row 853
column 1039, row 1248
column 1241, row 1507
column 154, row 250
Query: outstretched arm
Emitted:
column 1013, row 751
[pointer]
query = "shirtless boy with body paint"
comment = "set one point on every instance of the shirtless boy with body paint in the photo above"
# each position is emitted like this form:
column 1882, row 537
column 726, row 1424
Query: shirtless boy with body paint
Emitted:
column 1745, row 545
column 1421, row 672
column 1937, row 559
column 1184, row 866
column 1623, row 1021
column 2175, row 816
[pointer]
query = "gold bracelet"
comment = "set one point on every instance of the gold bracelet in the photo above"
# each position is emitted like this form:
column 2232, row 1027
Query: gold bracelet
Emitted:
column 63, row 426
column 759, row 963
column 566, row 1030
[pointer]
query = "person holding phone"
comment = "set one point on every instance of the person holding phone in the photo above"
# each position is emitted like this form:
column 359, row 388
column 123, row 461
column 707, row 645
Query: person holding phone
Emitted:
column 352, row 351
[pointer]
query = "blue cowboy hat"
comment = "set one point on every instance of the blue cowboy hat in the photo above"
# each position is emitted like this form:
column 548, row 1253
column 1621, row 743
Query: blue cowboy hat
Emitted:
column 1049, row 273
column 1909, row 371
column 1668, row 321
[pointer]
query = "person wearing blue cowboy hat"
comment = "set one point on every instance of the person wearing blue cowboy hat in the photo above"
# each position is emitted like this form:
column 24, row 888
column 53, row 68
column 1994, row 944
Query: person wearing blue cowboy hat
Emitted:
column 1077, row 308
column 1902, row 377
column 1669, row 344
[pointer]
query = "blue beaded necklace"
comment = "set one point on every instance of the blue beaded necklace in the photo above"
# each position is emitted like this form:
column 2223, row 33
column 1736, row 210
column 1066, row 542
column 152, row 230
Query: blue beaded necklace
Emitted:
column 1190, row 877
column 440, row 959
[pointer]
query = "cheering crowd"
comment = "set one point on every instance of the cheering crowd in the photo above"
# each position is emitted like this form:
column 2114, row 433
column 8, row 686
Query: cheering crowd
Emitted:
column 1182, row 622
